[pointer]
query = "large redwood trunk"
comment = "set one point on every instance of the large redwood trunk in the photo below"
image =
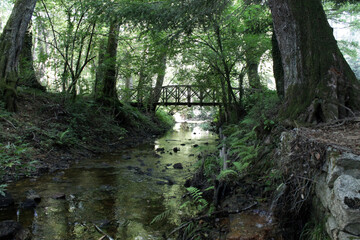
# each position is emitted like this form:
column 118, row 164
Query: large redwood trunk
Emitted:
column 11, row 42
column 27, row 76
column 319, row 85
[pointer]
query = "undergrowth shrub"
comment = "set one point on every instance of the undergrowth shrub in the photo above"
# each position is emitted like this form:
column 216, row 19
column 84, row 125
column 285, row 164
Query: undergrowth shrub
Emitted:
column 165, row 118
column 12, row 159
column 314, row 230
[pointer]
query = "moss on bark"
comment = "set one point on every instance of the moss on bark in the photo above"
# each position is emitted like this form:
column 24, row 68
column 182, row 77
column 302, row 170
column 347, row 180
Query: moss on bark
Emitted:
column 319, row 84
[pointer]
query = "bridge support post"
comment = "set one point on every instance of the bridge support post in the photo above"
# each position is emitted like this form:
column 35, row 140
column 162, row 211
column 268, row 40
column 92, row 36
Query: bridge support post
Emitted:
column 189, row 96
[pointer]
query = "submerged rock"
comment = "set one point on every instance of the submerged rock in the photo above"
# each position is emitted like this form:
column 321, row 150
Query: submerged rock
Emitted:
column 32, row 195
column 170, row 181
column 161, row 183
column 59, row 196
column 6, row 201
column 28, row 204
column 176, row 149
column 160, row 150
column 11, row 230
column 249, row 226
column 178, row 166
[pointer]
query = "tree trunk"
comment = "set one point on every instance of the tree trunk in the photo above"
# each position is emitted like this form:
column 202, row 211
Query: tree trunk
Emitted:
column 319, row 85
column 277, row 67
column 27, row 76
column 109, row 94
column 156, row 93
column 11, row 42
column 99, row 80
column 252, row 62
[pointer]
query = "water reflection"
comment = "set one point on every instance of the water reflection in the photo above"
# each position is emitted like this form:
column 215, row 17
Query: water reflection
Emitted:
column 118, row 193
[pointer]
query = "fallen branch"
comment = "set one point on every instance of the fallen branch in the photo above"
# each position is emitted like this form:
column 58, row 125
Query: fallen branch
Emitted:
column 9, row 122
column 102, row 232
column 225, row 212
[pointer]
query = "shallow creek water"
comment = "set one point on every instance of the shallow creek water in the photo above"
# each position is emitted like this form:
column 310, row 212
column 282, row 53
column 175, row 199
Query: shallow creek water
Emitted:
column 120, row 193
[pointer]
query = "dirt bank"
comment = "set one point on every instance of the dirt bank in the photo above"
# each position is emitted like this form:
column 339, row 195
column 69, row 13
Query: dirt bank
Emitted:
column 50, row 131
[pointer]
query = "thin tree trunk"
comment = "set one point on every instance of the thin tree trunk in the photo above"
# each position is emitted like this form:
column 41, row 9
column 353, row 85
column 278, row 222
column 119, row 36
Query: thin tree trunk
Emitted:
column 109, row 94
column 11, row 42
column 253, row 74
column 319, row 85
column 156, row 93
column 99, row 84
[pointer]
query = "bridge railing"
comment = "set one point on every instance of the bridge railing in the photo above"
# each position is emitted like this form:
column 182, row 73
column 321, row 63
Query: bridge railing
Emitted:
column 188, row 95
column 177, row 95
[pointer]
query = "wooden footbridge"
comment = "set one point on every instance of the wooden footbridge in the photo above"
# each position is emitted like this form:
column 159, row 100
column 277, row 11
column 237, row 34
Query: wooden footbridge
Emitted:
column 180, row 95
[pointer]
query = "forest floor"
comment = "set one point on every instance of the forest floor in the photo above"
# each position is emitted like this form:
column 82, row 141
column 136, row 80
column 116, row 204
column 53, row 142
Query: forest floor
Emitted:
column 49, row 132
column 344, row 133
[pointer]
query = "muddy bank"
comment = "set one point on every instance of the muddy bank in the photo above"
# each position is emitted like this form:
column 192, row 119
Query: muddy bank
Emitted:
column 50, row 132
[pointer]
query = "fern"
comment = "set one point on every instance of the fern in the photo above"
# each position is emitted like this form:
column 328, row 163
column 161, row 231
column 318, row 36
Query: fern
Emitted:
column 195, row 193
column 209, row 188
column 197, row 197
column 162, row 216
column 188, row 230
column 240, row 166
column 2, row 189
column 224, row 174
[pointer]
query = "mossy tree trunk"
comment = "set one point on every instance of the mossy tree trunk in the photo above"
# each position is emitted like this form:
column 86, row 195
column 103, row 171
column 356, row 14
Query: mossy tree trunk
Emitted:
column 252, row 58
column 319, row 85
column 99, row 79
column 109, row 93
column 11, row 43
column 27, row 76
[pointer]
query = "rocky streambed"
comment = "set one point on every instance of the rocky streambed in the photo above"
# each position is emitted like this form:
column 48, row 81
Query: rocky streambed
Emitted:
column 115, row 195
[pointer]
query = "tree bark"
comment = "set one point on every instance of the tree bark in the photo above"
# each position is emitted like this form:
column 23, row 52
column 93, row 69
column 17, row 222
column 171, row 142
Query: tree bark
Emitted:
column 99, row 79
column 277, row 67
column 109, row 93
column 156, row 93
column 319, row 85
column 11, row 42
column 27, row 76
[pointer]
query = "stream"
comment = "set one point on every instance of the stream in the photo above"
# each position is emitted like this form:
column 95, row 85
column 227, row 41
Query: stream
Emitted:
column 118, row 193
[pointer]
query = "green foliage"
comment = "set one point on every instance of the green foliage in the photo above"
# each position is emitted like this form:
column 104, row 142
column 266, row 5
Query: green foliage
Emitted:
column 261, row 108
column 89, row 119
column 314, row 230
column 3, row 189
column 11, row 159
column 227, row 174
column 197, row 199
column 164, row 117
column 162, row 216
column 271, row 179
column 211, row 166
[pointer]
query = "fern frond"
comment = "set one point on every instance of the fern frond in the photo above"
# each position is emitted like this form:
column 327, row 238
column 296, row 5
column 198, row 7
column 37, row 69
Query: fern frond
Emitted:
column 226, row 173
column 162, row 216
